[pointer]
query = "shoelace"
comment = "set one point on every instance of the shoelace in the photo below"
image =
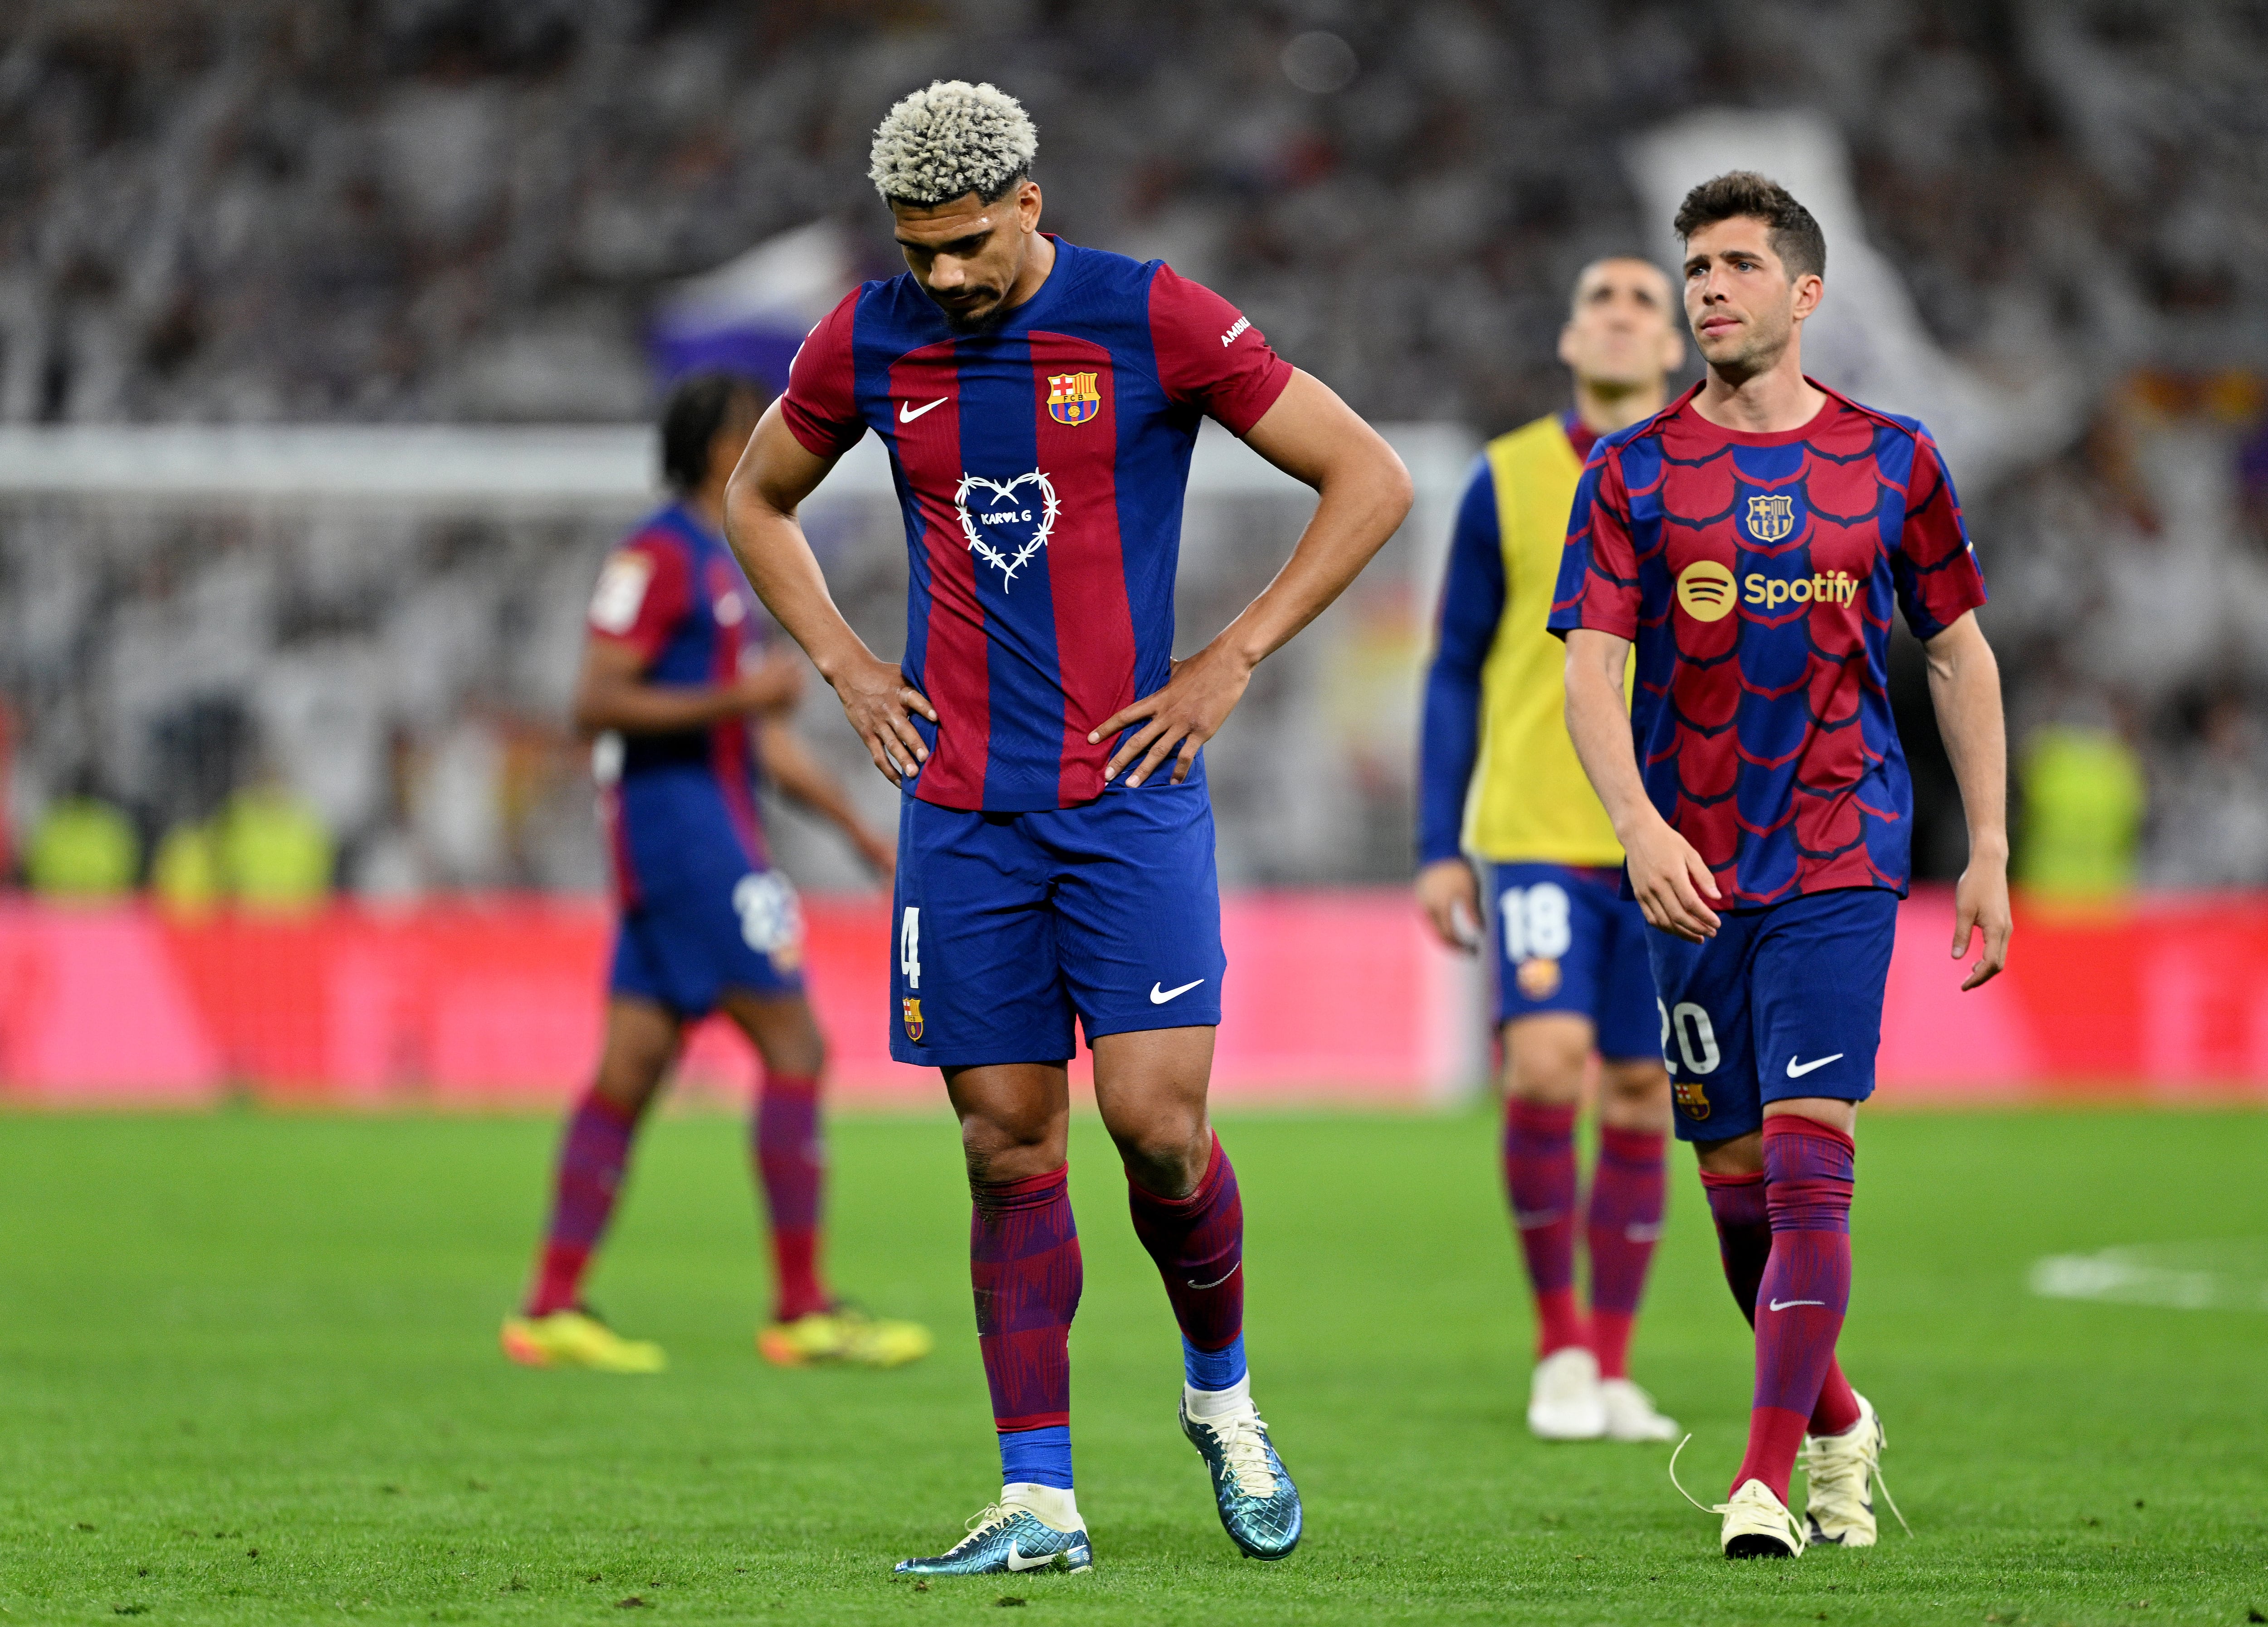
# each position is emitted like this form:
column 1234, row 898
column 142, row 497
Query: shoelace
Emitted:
column 1870, row 1468
column 1244, row 1448
column 981, row 1522
column 1797, row 1538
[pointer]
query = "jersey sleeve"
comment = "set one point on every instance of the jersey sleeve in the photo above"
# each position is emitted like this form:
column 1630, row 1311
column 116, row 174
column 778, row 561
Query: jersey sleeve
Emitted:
column 821, row 403
column 1598, row 585
column 645, row 593
column 1210, row 356
column 1936, row 569
column 1472, row 608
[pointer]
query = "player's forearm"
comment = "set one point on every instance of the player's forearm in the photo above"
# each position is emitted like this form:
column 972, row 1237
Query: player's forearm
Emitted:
column 1964, row 687
column 632, row 708
column 781, row 567
column 800, row 776
column 1598, row 724
column 1364, row 497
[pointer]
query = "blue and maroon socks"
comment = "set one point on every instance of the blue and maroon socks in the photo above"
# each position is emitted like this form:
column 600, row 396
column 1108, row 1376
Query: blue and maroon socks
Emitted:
column 1539, row 1179
column 592, row 1156
column 1804, row 1291
column 1736, row 1204
column 790, row 1162
column 1197, row 1242
column 1621, row 1225
column 1023, row 1266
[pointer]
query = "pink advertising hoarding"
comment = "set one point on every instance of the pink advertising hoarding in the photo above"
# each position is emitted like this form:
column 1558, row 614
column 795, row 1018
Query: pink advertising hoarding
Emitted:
column 1331, row 996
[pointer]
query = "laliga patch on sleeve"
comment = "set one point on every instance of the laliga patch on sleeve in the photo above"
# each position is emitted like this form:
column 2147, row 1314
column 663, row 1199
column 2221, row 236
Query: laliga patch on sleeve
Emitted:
column 615, row 602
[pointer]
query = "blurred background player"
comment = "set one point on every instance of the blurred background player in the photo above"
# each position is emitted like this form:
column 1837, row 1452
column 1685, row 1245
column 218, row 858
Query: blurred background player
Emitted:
column 1753, row 540
column 1041, row 402
column 688, row 709
column 1570, row 968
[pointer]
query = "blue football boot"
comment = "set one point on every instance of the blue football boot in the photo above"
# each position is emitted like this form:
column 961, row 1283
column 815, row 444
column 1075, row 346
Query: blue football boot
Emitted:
column 1005, row 1539
column 1259, row 1504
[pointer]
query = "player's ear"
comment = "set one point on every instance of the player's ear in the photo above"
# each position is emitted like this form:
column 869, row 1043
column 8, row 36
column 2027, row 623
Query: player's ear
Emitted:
column 1810, row 288
column 1673, row 348
column 1567, row 345
column 1028, row 204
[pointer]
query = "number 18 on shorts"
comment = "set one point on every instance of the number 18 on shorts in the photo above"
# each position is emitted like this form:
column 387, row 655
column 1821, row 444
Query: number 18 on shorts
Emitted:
column 1783, row 1003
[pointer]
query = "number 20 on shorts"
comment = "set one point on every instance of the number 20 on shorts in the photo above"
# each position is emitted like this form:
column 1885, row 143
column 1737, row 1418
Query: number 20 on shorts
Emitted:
column 1696, row 1035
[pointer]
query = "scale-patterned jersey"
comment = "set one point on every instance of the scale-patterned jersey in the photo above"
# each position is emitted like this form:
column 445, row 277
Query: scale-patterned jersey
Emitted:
column 1758, row 575
column 1041, row 464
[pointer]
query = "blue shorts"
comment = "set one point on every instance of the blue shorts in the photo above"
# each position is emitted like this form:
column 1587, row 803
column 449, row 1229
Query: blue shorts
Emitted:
column 710, row 926
column 1008, row 924
column 1566, row 940
column 1782, row 1002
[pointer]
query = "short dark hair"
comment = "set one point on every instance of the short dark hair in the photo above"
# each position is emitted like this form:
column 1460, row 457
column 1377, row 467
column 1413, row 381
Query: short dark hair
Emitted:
column 1794, row 235
column 696, row 410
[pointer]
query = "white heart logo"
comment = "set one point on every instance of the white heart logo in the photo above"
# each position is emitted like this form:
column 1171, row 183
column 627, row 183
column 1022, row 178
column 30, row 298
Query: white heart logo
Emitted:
column 994, row 515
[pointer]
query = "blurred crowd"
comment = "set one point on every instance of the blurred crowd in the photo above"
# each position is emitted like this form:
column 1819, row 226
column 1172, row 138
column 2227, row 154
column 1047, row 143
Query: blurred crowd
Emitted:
column 450, row 209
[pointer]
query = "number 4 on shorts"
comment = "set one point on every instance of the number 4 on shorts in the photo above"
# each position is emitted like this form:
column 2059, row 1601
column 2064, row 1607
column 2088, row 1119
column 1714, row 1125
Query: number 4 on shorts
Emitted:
column 909, row 946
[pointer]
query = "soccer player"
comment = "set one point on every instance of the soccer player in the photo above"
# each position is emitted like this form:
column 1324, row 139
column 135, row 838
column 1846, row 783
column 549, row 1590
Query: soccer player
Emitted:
column 1753, row 540
column 1039, row 401
column 1570, row 968
column 688, row 708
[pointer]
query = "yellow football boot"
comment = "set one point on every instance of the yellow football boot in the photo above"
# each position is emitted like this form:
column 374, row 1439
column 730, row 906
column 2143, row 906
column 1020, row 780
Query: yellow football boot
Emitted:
column 843, row 1332
column 577, row 1339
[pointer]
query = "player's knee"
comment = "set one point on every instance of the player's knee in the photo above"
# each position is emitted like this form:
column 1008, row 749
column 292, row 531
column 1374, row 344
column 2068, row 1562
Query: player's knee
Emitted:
column 1167, row 1152
column 1546, row 1066
column 1635, row 1091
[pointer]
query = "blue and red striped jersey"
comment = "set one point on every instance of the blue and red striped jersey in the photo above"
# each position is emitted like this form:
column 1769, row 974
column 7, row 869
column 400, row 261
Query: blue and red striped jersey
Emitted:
column 1040, row 465
column 1758, row 575
column 674, row 594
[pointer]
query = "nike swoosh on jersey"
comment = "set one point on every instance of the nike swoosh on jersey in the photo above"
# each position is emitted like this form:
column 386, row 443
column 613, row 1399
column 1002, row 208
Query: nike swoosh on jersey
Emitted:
column 1037, row 1562
column 908, row 412
column 1795, row 1072
column 1789, row 1305
column 1158, row 996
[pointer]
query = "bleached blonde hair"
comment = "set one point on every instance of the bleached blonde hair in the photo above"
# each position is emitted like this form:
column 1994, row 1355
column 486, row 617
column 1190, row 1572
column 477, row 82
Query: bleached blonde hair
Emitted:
column 949, row 140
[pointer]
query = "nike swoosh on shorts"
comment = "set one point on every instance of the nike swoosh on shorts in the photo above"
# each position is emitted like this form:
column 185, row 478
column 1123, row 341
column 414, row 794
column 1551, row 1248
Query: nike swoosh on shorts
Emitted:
column 1795, row 1072
column 1158, row 996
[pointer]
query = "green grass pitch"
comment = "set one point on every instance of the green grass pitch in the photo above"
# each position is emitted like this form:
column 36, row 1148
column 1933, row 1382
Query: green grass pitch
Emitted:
column 248, row 1373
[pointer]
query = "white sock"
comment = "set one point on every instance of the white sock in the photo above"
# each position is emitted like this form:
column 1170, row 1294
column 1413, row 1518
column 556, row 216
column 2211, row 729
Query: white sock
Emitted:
column 1053, row 1504
column 1203, row 1403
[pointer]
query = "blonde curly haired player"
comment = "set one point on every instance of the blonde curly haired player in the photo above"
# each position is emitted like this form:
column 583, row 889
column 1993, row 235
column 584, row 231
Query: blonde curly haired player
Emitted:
column 1040, row 401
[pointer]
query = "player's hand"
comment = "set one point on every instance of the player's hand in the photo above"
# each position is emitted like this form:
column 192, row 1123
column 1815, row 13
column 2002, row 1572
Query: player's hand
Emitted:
column 1671, row 882
column 1980, row 903
column 773, row 683
column 1450, row 895
column 880, row 704
column 1185, row 714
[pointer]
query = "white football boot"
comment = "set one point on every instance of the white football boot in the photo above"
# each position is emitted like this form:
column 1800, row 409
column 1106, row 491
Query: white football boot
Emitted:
column 1843, row 1470
column 1757, row 1524
column 1631, row 1414
column 1564, row 1398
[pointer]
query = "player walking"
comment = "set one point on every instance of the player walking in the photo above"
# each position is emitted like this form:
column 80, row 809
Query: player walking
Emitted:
column 1753, row 540
column 1040, row 401
column 1569, row 953
column 675, row 680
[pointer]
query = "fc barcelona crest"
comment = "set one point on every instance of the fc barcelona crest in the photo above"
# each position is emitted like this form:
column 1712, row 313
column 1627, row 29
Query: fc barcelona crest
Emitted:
column 1772, row 517
column 913, row 1019
column 1072, row 397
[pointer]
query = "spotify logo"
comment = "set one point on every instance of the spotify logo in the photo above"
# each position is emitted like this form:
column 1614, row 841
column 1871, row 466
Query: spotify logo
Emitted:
column 1705, row 589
